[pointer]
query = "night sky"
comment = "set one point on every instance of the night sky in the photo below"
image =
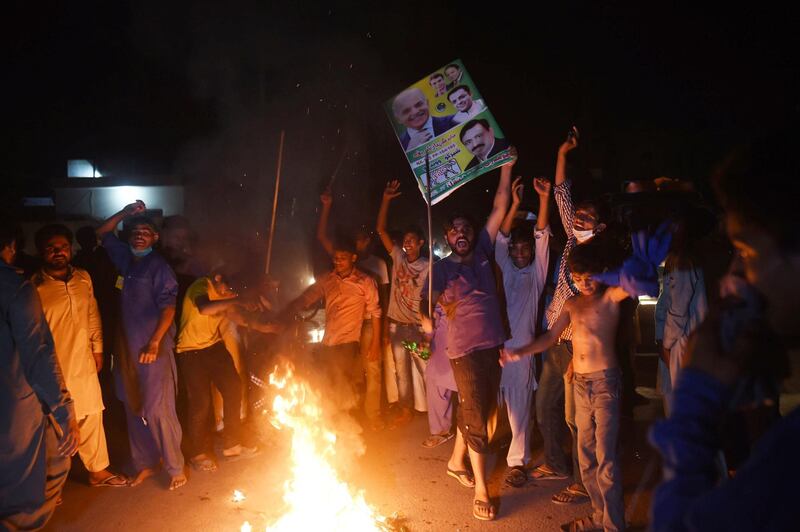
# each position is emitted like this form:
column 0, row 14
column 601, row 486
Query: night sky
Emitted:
column 201, row 90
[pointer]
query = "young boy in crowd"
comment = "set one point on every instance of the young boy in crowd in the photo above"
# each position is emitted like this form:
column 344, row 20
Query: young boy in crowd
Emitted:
column 595, row 374
column 524, row 275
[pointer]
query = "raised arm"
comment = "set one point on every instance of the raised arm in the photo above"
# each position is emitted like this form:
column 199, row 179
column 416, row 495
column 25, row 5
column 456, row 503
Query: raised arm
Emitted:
column 326, row 198
column 501, row 198
column 542, row 188
column 517, row 188
column 391, row 191
column 562, row 193
column 113, row 221
column 561, row 162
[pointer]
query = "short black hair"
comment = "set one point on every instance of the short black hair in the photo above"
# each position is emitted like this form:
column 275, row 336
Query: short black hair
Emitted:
column 458, row 88
column 586, row 258
column 344, row 244
column 44, row 234
column 452, row 65
column 436, row 75
column 599, row 206
column 415, row 230
column 130, row 223
column 522, row 233
column 472, row 123
column 770, row 164
column 448, row 224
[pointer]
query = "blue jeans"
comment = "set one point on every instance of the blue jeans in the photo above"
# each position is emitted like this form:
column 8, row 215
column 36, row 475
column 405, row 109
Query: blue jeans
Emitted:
column 398, row 333
column 555, row 406
column 597, row 413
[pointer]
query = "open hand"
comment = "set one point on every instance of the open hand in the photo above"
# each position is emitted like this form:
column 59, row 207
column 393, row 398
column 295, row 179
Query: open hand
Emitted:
column 392, row 190
column 542, row 186
column 517, row 188
column 70, row 437
column 149, row 354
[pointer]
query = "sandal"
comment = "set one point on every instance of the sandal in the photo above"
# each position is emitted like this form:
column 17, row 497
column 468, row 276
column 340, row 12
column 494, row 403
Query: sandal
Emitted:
column 113, row 481
column 516, row 477
column 435, row 440
column 463, row 477
column 483, row 510
column 582, row 524
column 543, row 472
column 569, row 495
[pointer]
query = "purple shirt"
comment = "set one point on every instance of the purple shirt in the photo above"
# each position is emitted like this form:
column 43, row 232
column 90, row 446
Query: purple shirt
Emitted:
column 469, row 298
column 148, row 287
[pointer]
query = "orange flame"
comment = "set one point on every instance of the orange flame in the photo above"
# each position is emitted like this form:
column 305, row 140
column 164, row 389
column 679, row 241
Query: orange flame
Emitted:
column 316, row 498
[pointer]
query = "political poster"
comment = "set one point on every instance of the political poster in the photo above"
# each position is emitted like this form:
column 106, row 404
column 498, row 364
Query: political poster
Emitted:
column 444, row 117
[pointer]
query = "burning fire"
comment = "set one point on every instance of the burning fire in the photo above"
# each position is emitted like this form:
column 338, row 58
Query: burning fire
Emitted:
column 316, row 498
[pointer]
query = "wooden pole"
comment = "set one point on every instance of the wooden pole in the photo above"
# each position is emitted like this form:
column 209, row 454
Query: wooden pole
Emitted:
column 430, row 232
column 275, row 203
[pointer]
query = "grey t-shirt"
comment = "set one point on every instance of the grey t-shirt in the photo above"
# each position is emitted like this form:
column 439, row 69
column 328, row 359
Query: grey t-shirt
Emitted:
column 407, row 285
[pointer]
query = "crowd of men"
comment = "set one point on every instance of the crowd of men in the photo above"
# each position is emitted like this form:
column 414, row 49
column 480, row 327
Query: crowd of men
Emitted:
column 504, row 329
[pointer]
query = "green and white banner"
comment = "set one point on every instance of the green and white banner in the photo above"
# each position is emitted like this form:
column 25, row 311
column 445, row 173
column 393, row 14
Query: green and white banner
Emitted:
column 445, row 116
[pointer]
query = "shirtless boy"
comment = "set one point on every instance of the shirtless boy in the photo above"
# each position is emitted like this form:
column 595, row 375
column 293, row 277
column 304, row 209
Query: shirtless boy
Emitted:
column 593, row 316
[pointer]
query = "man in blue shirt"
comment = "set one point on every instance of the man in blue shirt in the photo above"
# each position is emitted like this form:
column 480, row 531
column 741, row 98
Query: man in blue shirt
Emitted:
column 144, row 369
column 38, row 429
column 762, row 224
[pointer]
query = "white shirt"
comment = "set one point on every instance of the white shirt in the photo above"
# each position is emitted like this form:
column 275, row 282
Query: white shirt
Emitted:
column 523, row 288
column 71, row 312
column 472, row 112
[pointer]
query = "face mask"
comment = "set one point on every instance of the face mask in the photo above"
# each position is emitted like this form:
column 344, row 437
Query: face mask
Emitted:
column 582, row 236
column 141, row 252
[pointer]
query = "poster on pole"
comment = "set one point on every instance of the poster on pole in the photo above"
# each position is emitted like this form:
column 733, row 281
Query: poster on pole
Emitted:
column 445, row 116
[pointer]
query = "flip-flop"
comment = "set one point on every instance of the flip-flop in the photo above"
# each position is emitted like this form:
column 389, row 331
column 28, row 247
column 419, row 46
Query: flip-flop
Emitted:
column 543, row 472
column 463, row 477
column 435, row 440
column 568, row 496
column 108, row 482
column 483, row 505
column 516, row 477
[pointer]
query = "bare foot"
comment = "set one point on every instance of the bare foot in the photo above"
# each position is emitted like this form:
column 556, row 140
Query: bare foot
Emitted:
column 177, row 481
column 143, row 475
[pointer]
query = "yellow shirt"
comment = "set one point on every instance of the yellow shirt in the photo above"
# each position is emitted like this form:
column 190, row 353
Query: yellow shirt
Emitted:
column 71, row 312
column 197, row 331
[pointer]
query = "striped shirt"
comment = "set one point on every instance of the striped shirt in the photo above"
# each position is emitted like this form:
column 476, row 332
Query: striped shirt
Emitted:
column 564, row 288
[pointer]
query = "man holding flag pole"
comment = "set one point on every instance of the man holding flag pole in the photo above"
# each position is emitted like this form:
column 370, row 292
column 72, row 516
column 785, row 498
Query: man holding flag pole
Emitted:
column 463, row 284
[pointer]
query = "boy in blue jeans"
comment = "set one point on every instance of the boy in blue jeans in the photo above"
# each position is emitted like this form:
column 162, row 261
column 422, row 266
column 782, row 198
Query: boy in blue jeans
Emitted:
column 594, row 371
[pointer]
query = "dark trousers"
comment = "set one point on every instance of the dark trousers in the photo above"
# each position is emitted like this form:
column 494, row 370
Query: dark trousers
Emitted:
column 200, row 369
column 33, row 501
column 477, row 377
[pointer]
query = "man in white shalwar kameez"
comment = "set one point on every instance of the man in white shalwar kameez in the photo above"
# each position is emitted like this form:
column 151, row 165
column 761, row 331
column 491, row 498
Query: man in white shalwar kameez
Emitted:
column 523, row 258
column 71, row 311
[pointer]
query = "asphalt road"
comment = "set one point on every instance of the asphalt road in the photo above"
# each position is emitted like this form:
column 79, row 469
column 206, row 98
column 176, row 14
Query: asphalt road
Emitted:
column 397, row 474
